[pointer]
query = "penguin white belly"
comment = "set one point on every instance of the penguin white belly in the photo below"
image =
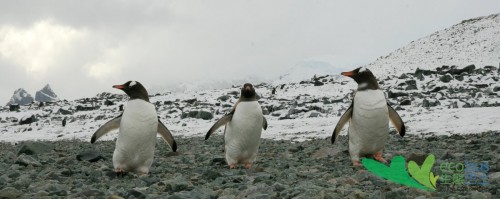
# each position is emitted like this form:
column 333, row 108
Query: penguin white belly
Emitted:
column 242, row 134
column 369, row 125
column 136, row 141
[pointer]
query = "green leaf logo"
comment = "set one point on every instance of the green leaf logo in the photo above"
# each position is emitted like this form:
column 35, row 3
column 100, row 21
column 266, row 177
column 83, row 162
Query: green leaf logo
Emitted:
column 423, row 174
column 396, row 172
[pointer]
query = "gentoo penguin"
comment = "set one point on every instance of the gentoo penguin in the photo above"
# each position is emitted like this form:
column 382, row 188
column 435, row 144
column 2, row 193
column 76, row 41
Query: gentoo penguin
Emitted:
column 243, row 127
column 368, row 118
column 138, row 125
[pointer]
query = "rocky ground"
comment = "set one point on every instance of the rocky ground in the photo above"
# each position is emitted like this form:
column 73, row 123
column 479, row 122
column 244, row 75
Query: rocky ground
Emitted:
column 310, row 169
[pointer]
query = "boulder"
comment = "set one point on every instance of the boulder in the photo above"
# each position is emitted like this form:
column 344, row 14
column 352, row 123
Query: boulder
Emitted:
column 27, row 120
column 446, row 78
column 198, row 114
column 32, row 148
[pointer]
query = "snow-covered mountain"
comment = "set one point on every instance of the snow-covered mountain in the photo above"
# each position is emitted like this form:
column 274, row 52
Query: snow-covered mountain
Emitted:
column 21, row 97
column 46, row 94
column 473, row 41
column 307, row 69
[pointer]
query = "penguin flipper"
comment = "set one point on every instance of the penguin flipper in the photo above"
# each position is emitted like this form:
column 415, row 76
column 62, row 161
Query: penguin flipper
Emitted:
column 264, row 123
column 396, row 121
column 106, row 128
column 343, row 120
column 166, row 135
column 223, row 121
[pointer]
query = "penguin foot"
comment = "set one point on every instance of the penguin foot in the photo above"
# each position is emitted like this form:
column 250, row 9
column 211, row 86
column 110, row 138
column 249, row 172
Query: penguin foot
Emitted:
column 119, row 172
column 248, row 165
column 356, row 163
column 143, row 171
column 378, row 157
column 232, row 166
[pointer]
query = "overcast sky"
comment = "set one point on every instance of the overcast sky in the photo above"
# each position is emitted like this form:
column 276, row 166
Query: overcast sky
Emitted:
column 82, row 48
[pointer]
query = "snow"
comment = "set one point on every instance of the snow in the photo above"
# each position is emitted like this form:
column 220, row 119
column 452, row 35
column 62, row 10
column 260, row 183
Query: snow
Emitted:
column 473, row 41
column 421, row 121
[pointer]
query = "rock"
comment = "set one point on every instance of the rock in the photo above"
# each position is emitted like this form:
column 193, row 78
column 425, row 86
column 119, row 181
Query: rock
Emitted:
column 479, row 195
column 27, row 120
column 108, row 103
column 260, row 190
column 179, row 183
column 195, row 193
column 405, row 102
column 446, row 78
column 55, row 189
column 32, row 148
column 396, row 94
column 318, row 83
column 64, row 112
column 211, row 175
column 494, row 176
column 457, row 71
column 420, row 72
column 396, row 194
column 376, row 195
column 428, row 103
column 403, row 76
column 190, row 101
column 14, row 107
column 496, row 89
column 325, row 152
column 412, row 85
column 91, row 156
column 223, row 98
column 46, row 94
column 314, row 114
column 438, row 88
column 10, row 193
column 358, row 194
column 296, row 149
column 91, row 193
column 99, row 117
column 418, row 158
column 135, row 194
column 198, row 114
column 21, row 97
column 25, row 160
column 480, row 85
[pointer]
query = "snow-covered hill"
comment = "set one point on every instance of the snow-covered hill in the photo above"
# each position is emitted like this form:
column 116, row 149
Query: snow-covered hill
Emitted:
column 443, row 101
column 46, row 94
column 473, row 41
column 21, row 97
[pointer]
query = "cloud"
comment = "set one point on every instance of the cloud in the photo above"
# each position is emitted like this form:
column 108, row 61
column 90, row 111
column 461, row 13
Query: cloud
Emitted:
column 37, row 48
column 83, row 47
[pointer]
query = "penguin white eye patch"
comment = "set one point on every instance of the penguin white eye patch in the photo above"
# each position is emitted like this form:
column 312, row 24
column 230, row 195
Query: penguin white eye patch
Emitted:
column 133, row 83
column 362, row 69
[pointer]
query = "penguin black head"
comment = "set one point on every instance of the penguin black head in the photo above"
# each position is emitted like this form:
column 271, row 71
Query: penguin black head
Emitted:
column 134, row 90
column 248, row 91
column 364, row 78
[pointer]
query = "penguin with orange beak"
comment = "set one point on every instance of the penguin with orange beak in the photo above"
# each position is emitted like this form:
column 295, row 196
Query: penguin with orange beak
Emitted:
column 368, row 118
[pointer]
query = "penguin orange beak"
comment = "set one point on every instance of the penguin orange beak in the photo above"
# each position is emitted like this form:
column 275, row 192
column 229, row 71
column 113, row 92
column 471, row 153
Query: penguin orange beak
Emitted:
column 119, row 86
column 348, row 74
